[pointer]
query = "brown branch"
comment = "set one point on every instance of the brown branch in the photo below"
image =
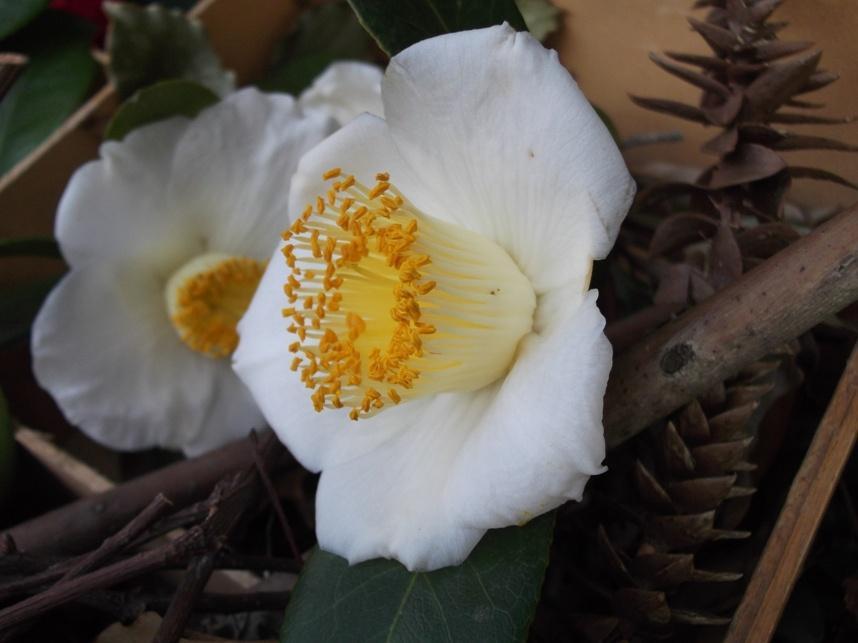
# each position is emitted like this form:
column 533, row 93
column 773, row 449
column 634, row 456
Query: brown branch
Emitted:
column 84, row 524
column 801, row 286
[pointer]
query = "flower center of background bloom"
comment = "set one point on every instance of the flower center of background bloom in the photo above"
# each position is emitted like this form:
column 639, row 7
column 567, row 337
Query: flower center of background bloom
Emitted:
column 207, row 296
column 388, row 304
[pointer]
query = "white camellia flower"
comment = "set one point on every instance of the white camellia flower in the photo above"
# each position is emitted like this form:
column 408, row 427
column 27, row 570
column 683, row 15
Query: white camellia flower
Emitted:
column 436, row 290
column 345, row 90
column 167, row 236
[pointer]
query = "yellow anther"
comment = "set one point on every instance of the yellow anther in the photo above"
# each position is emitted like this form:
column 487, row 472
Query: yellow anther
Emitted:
column 294, row 346
column 296, row 362
column 394, row 396
column 333, row 173
column 320, row 205
column 382, row 176
column 379, row 189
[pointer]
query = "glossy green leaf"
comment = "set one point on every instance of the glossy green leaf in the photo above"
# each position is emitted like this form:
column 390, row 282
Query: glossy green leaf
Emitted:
column 7, row 447
column 492, row 596
column 150, row 44
column 397, row 24
column 18, row 307
column 325, row 33
column 14, row 14
column 157, row 102
column 30, row 247
column 54, row 83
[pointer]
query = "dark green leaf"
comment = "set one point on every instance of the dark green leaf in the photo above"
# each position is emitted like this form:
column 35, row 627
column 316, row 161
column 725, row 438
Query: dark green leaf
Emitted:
column 7, row 447
column 157, row 102
column 150, row 44
column 397, row 24
column 18, row 308
column 30, row 247
column 54, row 82
column 490, row 597
column 14, row 14
column 324, row 34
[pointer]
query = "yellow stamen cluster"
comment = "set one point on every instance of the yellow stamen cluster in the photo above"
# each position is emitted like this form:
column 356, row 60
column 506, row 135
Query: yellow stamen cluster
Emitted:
column 366, row 221
column 364, row 298
column 208, row 296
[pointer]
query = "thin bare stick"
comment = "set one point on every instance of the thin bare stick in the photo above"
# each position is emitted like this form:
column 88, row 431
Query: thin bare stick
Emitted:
column 275, row 500
column 182, row 604
column 121, row 539
column 790, row 293
column 139, row 564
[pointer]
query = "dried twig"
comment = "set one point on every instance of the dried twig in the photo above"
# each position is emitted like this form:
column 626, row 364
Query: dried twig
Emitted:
column 229, row 501
column 232, row 501
column 275, row 501
column 121, row 539
column 83, row 524
column 182, row 604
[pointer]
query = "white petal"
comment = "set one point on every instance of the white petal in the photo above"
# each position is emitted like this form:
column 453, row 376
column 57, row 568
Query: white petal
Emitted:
column 233, row 167
column 363, row 148
column 104, row 348
column 452, row 466
column 345, row 90
column 391, row 502
column 542, row 438
column 494, row 125
column 116, row 208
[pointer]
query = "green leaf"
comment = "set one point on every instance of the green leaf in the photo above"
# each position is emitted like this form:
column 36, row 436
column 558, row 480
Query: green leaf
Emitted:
column 7, row 447
column 325, row 33
column 397, row 24
column 18, row 308
column 149, row 44
column 542, row 17
column 30, row 247
column 14, row 14
column 490, row 597
column 55, row 81
column 157, row 102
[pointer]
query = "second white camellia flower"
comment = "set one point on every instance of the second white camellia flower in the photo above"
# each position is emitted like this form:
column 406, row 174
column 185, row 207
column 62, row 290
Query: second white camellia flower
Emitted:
column 166, row 236
column 433, row 287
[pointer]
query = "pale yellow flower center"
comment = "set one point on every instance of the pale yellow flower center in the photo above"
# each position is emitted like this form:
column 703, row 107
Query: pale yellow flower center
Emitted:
column 388, row 304
column 207, row 297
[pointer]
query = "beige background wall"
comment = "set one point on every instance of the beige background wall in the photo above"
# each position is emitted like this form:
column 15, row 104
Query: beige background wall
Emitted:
column 606, row 42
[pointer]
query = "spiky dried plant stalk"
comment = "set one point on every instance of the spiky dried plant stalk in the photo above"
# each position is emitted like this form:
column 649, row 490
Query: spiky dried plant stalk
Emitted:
column 682, row 488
